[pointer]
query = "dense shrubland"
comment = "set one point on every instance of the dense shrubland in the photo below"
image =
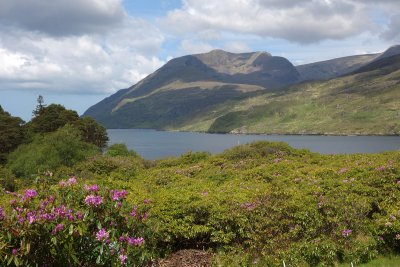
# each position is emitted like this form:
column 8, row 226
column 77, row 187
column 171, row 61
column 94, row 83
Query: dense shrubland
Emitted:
column 67, row 203
column 257, row 204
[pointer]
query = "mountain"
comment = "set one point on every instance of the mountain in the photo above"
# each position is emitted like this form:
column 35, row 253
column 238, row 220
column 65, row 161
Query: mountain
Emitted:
column 329, row 69
column 260, row 93
column 192, row 84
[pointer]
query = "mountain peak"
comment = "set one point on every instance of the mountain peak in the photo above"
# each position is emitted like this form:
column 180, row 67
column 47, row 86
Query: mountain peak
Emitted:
column 231, row 63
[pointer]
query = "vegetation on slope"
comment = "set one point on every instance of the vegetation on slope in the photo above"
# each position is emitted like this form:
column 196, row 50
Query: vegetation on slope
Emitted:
column 253, row 205
column 363, row 103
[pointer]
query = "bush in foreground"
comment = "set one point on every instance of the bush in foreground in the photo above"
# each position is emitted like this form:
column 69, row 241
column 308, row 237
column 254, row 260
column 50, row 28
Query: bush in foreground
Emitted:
column 72, row 225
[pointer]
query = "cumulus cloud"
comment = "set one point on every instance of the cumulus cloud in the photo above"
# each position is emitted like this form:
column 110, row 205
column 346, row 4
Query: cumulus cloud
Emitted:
column 79, row 64
column 62, row 17
column 299, row 21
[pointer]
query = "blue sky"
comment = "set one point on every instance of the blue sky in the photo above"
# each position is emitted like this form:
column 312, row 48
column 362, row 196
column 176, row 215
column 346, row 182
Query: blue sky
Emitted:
column 77, row 52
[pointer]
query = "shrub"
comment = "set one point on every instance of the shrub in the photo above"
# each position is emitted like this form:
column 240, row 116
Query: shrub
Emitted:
column 120, row 150
column 61, row 148
column 72, row 225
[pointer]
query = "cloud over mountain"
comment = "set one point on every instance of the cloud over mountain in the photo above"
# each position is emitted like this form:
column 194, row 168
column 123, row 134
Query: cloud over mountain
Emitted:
column 300, row 21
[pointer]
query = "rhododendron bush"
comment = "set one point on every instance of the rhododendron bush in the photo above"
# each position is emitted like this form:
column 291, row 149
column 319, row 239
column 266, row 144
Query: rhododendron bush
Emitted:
column 72, row 224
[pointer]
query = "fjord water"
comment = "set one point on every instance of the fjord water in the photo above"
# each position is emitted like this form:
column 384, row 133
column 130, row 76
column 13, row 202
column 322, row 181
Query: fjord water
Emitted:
column 152, row 144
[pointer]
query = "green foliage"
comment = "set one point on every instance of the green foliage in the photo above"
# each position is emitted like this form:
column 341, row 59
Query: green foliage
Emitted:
column 120, row 150
column 92, row 132
column 51, row 118
column 12, row 134
column 61, row 148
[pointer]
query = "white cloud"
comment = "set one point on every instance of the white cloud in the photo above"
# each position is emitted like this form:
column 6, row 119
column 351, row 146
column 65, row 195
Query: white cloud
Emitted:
column 194, row 47
column 79, row 64
column 299, row 21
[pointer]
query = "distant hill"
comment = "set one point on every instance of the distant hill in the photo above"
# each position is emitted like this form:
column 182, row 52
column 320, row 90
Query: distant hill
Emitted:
column 260, row 93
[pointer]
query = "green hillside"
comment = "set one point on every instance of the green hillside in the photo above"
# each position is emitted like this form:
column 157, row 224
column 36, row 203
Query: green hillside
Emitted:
column 363, row 103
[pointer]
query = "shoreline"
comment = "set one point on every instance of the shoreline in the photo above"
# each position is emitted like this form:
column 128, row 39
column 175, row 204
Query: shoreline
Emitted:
column 263, row 134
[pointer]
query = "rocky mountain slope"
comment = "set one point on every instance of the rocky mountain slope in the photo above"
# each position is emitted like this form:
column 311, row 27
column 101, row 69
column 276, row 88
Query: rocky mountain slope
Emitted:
column 199, row 92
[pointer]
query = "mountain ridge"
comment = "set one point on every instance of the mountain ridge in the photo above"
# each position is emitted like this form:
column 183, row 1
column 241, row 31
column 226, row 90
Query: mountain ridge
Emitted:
column 194, row 86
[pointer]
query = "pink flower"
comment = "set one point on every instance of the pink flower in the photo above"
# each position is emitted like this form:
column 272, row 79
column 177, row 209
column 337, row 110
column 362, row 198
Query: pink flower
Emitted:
column 79, row 215
column 133, row 213
column 135, row 241
column 93, row 201
column 117, row 195
column 72, row 181
column 62, row 183
column 30, row 193
column 59, row 227
column 122, row 258
column 2, row 214
column 31, row 217
column 91, row 188
column 147, row 201
column 14, row 251
column 346, row 232
column 102, row 234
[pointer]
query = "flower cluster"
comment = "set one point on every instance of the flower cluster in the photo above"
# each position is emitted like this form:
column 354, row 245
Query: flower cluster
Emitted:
column 93, row 200
column 118, row 195
column 102, row 235
column 30, row 193
column 346, row 232
column 71, row 181
column 91, row 188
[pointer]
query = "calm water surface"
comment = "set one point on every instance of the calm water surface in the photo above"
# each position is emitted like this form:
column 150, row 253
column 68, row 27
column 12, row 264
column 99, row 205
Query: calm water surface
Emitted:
column 151, row 144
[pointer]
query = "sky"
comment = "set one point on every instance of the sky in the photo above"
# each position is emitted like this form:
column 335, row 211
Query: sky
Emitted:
column 77, row 52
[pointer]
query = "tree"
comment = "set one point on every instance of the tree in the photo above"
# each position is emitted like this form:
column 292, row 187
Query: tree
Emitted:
column 54, row 116
column 92, row 132
column 51, row 118
column 12, row 133
column 39, row 107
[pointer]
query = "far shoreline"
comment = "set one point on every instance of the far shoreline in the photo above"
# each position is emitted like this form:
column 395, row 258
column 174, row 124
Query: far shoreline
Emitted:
column 263, row 134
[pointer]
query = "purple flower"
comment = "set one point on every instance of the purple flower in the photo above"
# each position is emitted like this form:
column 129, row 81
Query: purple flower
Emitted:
column 133, row 213
column 121, row 239
column 148, row 200
column 31, row 217
column 79, row 215
column 93, row 201
column 91, row 188
column 62, row 183
column 30, row 193
column 381, row 168
column 48, row 216
column 346, row 232
column 59, row 227
column 102, row 234
column 122, row 258
column 14, row 251
column 72, row 181
column 117, row 195
column 2, row 214
column 135, row 241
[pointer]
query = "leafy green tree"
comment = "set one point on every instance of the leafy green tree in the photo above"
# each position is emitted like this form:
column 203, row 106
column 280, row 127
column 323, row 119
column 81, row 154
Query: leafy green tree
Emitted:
column 51, row 118
column 63, row 147
column 12, row 133
column 92, row 132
